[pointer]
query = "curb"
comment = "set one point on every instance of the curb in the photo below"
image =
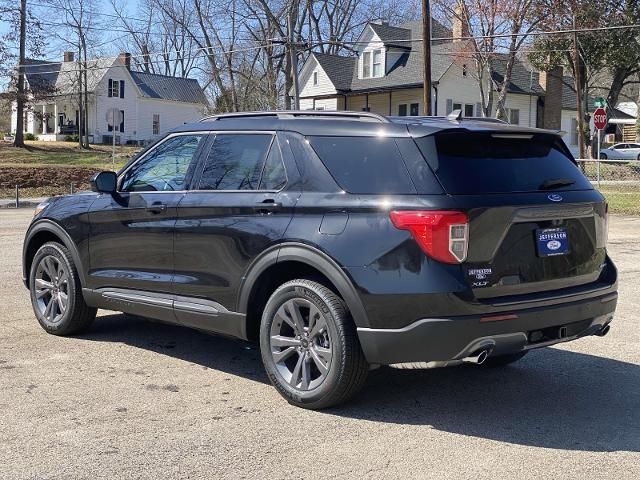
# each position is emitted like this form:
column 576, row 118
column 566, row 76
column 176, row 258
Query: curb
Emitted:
column 11, row 204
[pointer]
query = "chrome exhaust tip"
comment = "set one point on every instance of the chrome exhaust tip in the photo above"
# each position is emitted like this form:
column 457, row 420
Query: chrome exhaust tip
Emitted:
column 603, row 331
column 478, row 359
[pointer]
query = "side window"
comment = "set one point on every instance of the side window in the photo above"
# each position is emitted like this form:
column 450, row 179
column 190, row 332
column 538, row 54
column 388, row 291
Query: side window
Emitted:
column 235, row 162
column 273, row 174
column 164, row 168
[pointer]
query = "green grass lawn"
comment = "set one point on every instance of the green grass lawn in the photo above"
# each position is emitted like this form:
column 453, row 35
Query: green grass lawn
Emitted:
column 63, row 154
column 625, row 202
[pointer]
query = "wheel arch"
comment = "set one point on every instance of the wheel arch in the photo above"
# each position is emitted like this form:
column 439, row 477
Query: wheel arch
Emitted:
column 47, row 231
column 286, row 262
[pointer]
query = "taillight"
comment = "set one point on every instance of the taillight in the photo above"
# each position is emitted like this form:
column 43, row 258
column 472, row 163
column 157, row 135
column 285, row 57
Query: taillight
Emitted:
column 443, row 235
column 602, row 228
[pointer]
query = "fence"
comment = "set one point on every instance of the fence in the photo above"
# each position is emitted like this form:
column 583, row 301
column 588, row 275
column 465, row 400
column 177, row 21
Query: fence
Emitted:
column 612, row 175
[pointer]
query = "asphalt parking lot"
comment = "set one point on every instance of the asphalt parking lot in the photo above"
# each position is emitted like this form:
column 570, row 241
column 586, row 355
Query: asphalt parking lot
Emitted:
column 135, row 399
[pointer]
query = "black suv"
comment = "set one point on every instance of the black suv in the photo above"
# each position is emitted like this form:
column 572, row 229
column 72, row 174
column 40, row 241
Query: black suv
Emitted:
column 338, row 241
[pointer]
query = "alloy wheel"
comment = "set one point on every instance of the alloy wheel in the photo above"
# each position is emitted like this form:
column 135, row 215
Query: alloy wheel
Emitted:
column 300, row 343
column 51, row 289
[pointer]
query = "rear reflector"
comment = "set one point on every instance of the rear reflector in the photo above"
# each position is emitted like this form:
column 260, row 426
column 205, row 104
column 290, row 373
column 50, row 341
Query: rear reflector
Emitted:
column 498, row 318
column 441, row 234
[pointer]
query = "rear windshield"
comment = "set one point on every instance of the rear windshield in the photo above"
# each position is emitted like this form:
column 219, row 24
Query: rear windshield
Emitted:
column 478, row 163
column 364, row 165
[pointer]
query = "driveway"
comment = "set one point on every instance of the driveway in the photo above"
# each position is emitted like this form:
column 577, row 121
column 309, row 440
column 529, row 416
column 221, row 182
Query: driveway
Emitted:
column 135, row 399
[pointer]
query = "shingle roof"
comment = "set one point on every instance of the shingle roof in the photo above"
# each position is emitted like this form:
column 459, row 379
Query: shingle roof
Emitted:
column 169, row 88
column 61, row 78
column 523, row 79
column 338, row 68
column 407, row 71
column 392, row 36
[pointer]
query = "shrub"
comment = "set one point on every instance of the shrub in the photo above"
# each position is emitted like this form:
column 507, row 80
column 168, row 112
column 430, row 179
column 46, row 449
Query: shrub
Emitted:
column 30, row 136
column 71, row 138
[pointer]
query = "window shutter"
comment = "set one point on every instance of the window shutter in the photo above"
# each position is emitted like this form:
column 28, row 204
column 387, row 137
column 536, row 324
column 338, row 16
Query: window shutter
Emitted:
column 121, row 88
column 449, row 106
column 478, row 109
column 110, row 87
column 122, row 122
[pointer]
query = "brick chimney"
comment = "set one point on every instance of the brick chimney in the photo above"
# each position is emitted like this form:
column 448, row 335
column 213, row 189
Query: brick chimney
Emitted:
column 551, row 82
column 460, row 26
column 68, row 57
column 125, row 58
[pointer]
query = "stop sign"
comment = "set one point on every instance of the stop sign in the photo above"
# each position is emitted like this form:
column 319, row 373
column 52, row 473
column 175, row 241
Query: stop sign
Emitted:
column 600, row 118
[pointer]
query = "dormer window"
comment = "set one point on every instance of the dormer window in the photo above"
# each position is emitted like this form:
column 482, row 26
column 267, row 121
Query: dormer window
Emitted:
column 372, row 64
column 315, row 78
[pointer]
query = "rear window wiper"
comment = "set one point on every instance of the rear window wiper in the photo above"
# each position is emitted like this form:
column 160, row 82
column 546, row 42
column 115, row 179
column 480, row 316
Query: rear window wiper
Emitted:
column 556, row 183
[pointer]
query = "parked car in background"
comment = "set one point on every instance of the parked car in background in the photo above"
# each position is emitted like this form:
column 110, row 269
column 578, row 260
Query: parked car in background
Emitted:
column 337, row 241
column 621, row 151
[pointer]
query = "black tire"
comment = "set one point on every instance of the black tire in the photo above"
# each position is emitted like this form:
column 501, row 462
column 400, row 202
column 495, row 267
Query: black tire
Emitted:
column 77, row 316
column 503, row 360
column 347, row 368
column 603, row 156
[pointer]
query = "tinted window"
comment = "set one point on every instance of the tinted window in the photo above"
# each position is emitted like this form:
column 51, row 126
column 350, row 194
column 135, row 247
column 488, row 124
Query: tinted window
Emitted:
column 364, row 164
column 235, row 162
column 273, row 174
column 478, row 163
column 164, row 168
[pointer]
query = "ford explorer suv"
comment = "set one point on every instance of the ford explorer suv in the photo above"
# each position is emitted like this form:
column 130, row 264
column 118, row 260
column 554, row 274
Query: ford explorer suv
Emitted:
column 337, row 241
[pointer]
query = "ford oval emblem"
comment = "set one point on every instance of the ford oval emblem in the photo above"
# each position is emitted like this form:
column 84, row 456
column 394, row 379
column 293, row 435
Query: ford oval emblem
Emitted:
column 554, row 197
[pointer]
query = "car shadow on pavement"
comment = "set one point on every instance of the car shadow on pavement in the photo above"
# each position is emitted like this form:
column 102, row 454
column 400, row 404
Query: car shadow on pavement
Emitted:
column 228, row 355
column 552, row 398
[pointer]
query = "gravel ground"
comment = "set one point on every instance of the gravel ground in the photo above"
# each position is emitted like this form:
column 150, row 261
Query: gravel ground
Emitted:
column 134, row 399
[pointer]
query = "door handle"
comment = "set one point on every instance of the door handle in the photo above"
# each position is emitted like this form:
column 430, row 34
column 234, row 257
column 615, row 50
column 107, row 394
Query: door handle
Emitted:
column 157, row 207
column 267, row 206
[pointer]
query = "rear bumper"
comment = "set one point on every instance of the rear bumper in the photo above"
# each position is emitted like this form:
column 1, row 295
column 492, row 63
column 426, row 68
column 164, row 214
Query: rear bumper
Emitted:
column 446, row 341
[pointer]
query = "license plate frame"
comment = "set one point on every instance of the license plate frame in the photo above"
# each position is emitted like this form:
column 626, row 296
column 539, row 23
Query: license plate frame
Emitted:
column 552, row 242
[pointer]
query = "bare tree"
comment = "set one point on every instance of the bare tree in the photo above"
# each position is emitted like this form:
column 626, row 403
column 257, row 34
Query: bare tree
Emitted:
column 494, row 32
column 78, row 32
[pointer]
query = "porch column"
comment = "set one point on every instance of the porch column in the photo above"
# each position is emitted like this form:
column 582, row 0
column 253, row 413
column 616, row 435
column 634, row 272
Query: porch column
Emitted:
column 55, row 119
column 44, row 122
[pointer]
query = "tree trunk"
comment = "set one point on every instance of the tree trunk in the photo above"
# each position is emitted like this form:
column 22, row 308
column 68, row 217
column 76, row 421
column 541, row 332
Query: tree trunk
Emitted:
column 20, row 100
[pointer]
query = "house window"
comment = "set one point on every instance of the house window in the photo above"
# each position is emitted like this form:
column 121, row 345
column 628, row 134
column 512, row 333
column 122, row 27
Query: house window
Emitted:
column 464, row 70
column 315, row 78
column 110, row 123
column 366, row 65
column 514, row 116
column 156, row 124
column 415, row 109
column 377, row 63
column 114, row 88
column 372, row 64
column 468, row 110
column 457, row 106
column 402, row 110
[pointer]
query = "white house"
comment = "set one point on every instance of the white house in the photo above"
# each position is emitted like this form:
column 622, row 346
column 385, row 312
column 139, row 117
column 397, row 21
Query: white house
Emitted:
column 384, row 75
column 144, row 105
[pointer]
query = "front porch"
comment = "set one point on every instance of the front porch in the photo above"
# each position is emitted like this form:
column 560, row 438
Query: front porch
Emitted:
column 55, row 121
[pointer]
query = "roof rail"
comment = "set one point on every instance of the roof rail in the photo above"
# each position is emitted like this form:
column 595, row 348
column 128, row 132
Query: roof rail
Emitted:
column 452, row 117
column 289, row 114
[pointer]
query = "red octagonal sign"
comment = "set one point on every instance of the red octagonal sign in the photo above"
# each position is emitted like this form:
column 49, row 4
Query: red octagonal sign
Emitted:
column 600, row 118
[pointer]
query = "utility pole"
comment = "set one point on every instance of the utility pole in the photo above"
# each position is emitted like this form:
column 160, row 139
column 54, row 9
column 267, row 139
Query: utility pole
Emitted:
column 426, row 57
column 293, row 55
column 20, row 100
column 579, row 99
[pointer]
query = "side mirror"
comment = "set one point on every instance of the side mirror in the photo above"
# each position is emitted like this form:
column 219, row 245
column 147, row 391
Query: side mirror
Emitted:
column 104, row 182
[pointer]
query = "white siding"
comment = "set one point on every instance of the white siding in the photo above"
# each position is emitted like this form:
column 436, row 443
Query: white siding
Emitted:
column 172, row 114
column 321, row 103
column 465, row 90
column 307, row 88
column 106, row 103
